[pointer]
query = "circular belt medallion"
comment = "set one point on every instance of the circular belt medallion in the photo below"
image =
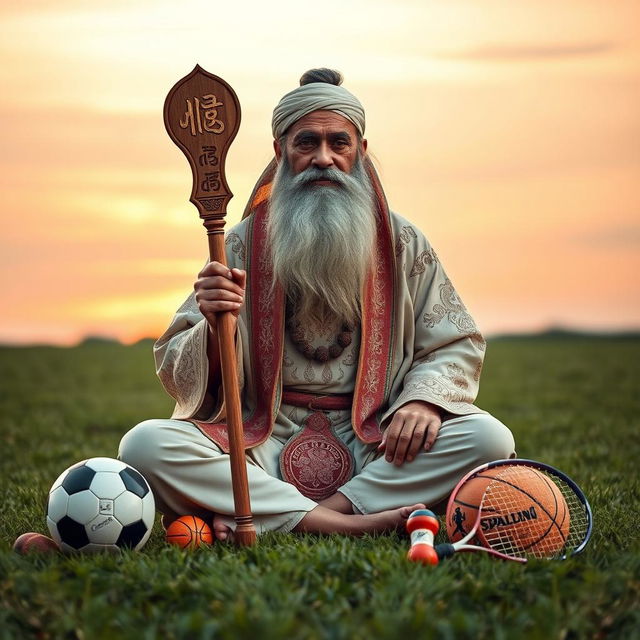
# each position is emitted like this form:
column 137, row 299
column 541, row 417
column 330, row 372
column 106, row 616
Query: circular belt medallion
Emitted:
column 315, row 461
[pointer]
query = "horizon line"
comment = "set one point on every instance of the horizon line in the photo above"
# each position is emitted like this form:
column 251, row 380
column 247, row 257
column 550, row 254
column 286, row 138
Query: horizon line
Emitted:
column 550, row 331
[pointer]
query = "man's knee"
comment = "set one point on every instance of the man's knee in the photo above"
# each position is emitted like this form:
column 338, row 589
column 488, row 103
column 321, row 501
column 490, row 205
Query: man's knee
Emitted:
column 492, row 439
column 140, row 446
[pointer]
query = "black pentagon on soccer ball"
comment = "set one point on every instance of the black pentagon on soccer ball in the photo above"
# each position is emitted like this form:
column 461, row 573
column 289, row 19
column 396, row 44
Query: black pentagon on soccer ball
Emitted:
column 134, row 482
column 78, row 479
column 72, row 532
column 131, row 534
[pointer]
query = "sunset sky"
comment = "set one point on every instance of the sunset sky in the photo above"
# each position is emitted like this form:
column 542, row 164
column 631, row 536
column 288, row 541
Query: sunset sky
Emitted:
column 509, row 132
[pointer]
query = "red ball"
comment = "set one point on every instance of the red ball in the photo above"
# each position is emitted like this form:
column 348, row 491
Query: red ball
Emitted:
column 35, row 542
column 429, row 522
column 189, row 532
column 423, row 553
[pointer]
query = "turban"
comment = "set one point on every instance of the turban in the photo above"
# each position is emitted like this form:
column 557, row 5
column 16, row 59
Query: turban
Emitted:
column 313, row 97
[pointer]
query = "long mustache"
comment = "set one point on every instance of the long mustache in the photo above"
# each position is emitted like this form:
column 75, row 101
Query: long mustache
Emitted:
column 311, row 174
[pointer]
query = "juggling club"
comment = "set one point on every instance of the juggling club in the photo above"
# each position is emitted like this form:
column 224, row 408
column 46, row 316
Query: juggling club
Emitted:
column 422, row 526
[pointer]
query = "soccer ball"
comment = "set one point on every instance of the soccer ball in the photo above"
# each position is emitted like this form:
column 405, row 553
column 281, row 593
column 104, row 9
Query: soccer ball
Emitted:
column 100, row 504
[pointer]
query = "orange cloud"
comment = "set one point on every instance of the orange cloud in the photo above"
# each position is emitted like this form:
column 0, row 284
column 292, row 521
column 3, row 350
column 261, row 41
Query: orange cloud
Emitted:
column 523, row 52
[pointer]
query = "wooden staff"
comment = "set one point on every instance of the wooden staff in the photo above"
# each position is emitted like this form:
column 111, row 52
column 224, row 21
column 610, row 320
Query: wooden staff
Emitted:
column 202, row 116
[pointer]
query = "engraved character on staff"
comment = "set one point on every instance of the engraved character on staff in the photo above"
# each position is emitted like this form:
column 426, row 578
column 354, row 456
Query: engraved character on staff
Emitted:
column 206, row 106
column 347, row 340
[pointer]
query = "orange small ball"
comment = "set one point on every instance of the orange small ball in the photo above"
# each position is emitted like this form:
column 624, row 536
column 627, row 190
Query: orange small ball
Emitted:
column 189, row 532
column 423, row 553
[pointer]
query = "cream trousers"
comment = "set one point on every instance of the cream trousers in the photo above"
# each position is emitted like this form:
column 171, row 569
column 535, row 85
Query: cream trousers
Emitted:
column 189, row 474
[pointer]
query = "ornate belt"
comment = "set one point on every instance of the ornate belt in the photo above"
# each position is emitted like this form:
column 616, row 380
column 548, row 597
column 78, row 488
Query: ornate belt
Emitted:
column 315, row 460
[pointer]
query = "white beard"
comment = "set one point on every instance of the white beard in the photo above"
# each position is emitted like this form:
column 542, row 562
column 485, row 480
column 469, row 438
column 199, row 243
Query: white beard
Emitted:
column 322, row 239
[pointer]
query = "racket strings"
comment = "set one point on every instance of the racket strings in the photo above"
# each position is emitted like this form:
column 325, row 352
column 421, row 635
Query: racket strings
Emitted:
column 530, row 527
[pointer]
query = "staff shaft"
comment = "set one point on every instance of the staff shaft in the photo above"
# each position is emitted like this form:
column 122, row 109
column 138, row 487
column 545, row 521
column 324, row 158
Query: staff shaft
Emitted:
column 245, row 533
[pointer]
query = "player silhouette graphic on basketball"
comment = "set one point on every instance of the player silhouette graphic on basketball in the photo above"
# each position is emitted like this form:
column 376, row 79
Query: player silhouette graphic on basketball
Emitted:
column 458, row 518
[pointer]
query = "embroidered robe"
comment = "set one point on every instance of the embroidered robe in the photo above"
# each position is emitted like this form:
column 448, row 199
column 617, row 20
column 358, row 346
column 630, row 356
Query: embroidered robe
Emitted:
column 435, row 351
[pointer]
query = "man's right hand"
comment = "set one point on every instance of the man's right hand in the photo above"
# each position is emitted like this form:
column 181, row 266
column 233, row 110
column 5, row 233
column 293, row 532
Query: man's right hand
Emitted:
column 219, row 289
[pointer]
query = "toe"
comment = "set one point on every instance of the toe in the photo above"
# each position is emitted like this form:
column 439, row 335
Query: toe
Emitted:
column 407, row 511
column 220, row 530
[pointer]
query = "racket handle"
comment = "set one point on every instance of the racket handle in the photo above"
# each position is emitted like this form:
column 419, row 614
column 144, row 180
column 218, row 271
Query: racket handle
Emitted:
column 423, row 525
column 444, row 550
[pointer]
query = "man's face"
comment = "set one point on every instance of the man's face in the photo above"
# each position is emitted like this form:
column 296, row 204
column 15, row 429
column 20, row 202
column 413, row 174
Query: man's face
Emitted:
column 321, row 139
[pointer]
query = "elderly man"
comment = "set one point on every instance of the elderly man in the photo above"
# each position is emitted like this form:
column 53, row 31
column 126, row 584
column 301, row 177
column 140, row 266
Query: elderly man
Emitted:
column 358, row 362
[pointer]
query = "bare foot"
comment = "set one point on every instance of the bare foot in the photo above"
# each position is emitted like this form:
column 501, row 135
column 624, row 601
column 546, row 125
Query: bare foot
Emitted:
column 221, row 530
column 392, row 520
column 323, row 520
column 337, row 502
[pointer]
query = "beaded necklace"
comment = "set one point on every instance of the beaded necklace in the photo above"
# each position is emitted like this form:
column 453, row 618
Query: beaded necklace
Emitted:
column 322, row 353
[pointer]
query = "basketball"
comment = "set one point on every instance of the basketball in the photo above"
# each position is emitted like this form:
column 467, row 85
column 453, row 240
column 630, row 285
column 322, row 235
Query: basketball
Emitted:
column 189, row 532
column 524, row 511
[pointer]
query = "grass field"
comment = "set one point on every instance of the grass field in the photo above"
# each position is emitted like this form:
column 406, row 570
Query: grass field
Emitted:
column 573, row 403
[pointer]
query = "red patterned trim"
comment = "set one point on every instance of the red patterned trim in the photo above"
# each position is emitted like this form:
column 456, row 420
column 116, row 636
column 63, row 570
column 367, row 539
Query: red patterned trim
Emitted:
column 376, row 347
column 266, row 330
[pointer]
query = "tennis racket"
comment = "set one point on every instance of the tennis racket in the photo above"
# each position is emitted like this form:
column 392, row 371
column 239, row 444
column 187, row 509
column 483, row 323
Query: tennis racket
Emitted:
column 520, row 509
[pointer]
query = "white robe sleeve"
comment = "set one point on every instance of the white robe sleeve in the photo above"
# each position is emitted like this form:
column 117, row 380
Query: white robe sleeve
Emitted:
column 446, row 348
column 181, row 353
column 181, row 360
